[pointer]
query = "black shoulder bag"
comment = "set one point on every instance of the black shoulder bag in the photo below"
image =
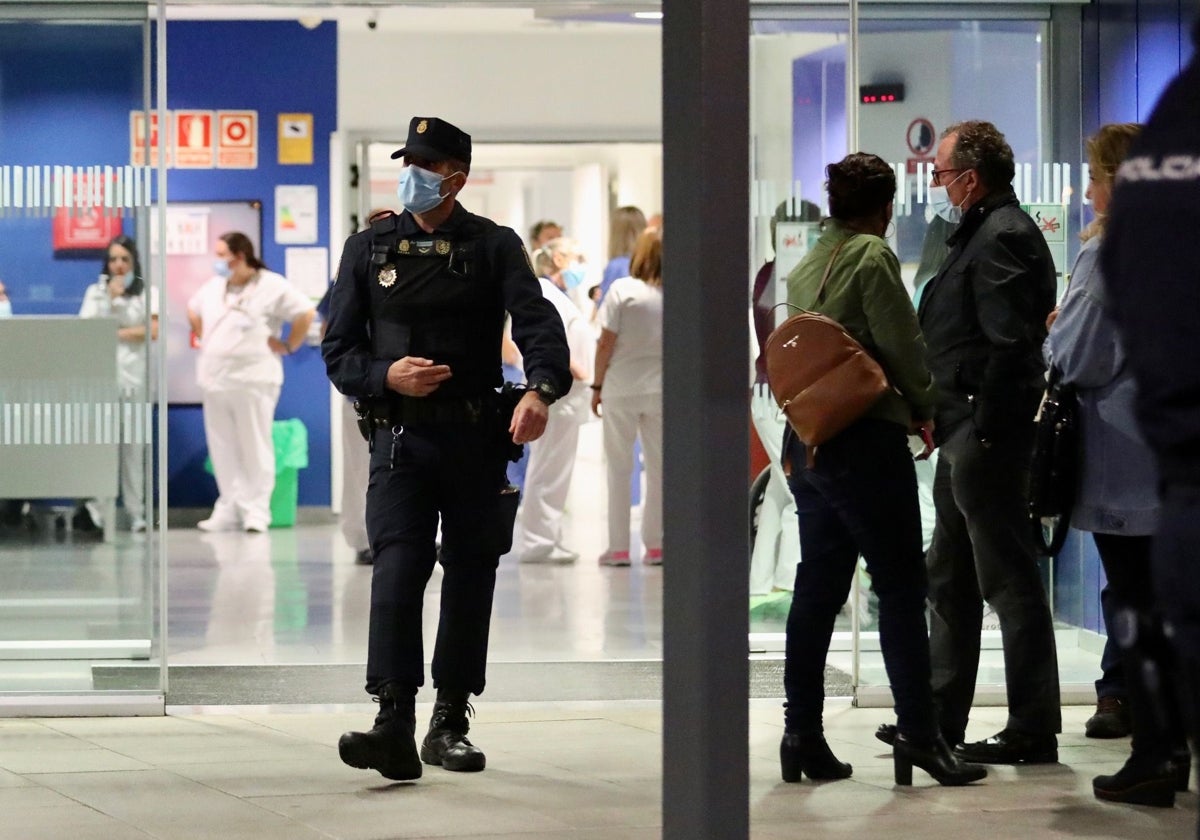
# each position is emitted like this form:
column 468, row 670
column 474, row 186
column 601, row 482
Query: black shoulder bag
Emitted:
column 1054, row 470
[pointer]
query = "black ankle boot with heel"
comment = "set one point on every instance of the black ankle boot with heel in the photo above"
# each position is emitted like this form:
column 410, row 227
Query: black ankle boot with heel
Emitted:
column 808, row 754
column 936, row 759
column 390, row 746
column 1140, row 783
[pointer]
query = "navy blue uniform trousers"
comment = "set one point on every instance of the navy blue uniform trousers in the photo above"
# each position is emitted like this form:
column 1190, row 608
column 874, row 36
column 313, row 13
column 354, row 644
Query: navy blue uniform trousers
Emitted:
column 455, row 471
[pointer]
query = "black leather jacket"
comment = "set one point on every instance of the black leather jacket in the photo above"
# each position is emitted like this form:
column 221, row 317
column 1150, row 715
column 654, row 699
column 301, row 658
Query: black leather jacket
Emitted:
column 984, row 319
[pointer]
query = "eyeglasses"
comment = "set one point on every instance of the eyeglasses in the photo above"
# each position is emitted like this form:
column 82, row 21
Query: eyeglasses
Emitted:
column 938, row 173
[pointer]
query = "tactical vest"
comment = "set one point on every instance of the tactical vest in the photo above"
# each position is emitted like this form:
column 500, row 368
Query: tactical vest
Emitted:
column 433, row 296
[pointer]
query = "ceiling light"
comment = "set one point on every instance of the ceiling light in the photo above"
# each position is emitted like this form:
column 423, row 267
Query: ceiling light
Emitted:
column 648, row 15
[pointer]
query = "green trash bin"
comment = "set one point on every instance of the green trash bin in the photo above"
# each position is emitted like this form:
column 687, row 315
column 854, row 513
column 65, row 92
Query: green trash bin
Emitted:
column 291, row 455
column 290, row 438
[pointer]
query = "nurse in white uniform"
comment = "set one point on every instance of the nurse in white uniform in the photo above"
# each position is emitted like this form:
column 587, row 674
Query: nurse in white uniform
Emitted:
column 552, row 456
column 238, row 317
column 120, row 293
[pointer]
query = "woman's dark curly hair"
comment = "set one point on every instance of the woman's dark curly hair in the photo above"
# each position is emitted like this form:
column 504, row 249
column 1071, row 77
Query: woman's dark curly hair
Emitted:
column 860, row 186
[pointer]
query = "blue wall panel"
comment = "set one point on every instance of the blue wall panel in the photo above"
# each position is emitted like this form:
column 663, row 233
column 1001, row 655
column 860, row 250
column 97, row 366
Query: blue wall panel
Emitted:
column 272, row 67
column 46, row 74
column 66, row 93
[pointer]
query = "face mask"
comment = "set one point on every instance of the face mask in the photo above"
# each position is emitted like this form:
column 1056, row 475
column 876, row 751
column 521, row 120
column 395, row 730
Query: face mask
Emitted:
column 5, row 308
column 573, row 276
column 939, row 200
column 420, row 190
column 222, row 268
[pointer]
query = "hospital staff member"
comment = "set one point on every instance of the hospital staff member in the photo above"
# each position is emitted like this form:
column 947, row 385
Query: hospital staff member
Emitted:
column 552, row 456
column 238, row 316
column 121, row 293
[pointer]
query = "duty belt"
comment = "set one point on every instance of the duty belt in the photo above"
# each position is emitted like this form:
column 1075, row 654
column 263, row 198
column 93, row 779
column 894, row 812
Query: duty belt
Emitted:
column 415, row 411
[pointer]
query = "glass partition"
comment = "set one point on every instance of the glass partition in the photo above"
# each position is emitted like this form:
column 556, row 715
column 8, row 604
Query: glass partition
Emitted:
column 917, row 72
column 80, row 615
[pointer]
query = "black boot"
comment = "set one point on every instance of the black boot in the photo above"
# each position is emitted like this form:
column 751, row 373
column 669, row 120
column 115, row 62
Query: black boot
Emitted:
column 808, row 754
column 936, row 759
column 1139, row 783
column 446, row 743
column 390, row 747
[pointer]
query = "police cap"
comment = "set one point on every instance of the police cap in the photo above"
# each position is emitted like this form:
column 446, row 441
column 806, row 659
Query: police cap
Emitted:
column 435, row 139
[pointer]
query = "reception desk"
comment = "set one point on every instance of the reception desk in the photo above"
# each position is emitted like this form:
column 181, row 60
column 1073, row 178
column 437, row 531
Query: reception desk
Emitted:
column 61, row 416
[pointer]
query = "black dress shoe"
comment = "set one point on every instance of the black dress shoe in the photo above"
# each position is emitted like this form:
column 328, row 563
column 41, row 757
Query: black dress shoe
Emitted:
column 803, row 754
column 1010, row 747
column 1139, row 783
column 936, row 759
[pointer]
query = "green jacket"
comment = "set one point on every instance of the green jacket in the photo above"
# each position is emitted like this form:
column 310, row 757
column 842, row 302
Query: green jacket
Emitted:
column 866, row 296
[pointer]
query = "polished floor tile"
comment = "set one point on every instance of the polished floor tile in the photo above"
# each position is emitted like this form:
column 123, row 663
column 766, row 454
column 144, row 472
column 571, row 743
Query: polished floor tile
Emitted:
column 556, row 771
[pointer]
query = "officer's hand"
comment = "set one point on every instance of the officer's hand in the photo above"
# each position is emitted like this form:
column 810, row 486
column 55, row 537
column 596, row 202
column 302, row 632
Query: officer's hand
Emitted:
column 413, row 376
column 529, row 419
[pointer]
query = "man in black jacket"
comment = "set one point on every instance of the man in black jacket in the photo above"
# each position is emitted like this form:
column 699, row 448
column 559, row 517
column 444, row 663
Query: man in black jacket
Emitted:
column 984, row 316
column 415, row 321
column 1153, row 269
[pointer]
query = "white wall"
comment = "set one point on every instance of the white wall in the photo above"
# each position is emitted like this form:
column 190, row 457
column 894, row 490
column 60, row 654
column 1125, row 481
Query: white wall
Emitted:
column 557, row 85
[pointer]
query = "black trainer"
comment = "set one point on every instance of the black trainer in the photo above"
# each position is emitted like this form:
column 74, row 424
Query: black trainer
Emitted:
column 390, row 747
column 446, row 743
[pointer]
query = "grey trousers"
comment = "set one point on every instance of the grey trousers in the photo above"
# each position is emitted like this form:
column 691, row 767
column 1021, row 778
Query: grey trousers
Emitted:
column 983, row 551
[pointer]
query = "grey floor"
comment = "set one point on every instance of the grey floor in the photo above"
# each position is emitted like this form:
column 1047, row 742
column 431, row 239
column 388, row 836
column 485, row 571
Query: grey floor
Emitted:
column 576, row 771
column 266, row 641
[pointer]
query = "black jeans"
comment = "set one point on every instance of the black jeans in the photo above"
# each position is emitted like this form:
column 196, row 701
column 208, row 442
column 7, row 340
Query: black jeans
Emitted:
column 859, row 498
column 456, row 471
column 983, row 551
column 1112, row 668
column 1137, row 633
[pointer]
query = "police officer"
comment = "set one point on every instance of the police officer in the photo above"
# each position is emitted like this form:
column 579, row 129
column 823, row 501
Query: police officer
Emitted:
column 415, row 321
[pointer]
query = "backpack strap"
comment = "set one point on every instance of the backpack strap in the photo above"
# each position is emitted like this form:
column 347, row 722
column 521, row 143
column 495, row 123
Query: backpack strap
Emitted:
column 828, row 269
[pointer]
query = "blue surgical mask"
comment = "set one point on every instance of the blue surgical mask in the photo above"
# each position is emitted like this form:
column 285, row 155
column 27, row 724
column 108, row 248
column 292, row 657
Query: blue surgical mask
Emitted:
column 221, row 268
column 5, row 308
column 573, row 276
column 939, row 200
column 419, row 189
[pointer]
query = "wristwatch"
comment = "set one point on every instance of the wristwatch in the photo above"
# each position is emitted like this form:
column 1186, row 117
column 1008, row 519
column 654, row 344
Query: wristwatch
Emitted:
column 546, row 392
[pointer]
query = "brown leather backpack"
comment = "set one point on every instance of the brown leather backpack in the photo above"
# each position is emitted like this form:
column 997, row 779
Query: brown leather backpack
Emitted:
column 822, row 378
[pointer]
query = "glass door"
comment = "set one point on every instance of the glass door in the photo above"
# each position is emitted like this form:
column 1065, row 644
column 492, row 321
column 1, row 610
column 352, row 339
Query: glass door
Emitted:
column 895, row 81
column 79, row 549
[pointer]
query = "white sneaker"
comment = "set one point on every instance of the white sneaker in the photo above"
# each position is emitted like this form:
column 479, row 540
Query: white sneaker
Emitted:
column 214, row 524
column 254, row 526
column 556, row 554
column 137, row 525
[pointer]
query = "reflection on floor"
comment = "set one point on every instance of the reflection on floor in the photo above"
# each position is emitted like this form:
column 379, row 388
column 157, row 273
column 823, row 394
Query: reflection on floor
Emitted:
column 295, row 598
column 556, row 771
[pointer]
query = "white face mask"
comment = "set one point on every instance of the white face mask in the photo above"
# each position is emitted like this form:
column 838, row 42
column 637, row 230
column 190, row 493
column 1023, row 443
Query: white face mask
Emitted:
column 939, row 200
column 5, row 308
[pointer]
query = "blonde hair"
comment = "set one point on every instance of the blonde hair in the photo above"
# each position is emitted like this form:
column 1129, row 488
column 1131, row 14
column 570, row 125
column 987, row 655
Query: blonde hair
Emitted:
column 646, row 264
column 1105, row 151
column 627, row 224
column 543, row 258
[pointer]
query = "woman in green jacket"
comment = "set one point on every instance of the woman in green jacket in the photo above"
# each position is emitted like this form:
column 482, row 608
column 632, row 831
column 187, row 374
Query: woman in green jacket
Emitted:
column 860, row 494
